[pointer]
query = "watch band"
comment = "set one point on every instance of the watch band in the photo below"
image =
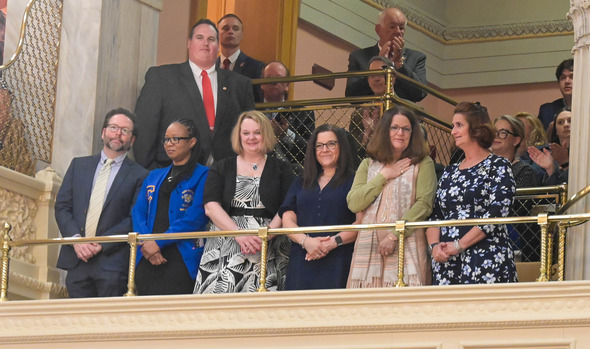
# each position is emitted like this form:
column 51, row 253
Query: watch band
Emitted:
column 338, row 240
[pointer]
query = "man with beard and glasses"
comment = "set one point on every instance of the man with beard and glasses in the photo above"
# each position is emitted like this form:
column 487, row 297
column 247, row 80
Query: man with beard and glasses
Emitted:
column 95, row 199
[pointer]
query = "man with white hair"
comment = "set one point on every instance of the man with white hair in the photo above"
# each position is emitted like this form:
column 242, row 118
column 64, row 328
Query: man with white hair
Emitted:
column 390, row 27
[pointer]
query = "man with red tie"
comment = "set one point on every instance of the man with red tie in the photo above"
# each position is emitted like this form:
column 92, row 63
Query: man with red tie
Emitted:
column 231, row 31
column 196, row 89
column 390, row 27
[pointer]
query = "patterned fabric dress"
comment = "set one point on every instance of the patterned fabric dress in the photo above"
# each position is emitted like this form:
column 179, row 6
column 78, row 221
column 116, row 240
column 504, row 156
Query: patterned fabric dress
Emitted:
column 482, row 191
column 225, row 269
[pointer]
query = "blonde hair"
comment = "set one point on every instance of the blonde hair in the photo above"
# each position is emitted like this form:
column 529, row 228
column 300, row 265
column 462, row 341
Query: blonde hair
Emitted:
column 538, row 135
column 268, row 134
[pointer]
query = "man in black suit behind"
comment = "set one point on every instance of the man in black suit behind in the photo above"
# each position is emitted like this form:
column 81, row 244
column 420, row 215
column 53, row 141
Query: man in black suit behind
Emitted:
column 390, row 28
column 175, row 91
column 100, row 270
column 231, row 30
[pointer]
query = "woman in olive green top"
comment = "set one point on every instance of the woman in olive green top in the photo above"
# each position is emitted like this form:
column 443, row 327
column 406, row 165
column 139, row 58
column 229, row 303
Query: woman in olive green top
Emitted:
column 398, row 181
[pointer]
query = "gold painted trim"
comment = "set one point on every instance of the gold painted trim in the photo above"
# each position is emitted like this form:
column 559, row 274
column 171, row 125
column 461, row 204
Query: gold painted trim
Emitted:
column 445, row 41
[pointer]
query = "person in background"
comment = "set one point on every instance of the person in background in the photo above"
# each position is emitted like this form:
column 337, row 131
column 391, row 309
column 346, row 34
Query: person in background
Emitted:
column 534, row 133
column 245, row 192
column 321, row 260
column 555, row 160
column 231, row 31
column 95, row 199
column 171, row 201
column 396, row 182
column 509, row 135
column 480, row 186
column 565, row 80
column 391, row 27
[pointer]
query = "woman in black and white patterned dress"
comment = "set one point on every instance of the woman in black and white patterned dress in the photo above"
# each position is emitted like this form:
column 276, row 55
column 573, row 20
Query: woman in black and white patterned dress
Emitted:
column 245, row 192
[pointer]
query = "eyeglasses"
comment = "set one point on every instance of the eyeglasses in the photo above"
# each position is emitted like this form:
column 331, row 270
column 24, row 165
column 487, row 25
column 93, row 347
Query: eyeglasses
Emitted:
column 173, row 140
column 114, row 129
column 503, row 133
column 331, row 145
column 405, row 130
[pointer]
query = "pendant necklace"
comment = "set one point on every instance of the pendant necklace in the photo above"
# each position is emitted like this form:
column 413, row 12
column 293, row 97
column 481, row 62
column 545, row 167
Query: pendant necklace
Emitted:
column 171, row 177
column 254, row 165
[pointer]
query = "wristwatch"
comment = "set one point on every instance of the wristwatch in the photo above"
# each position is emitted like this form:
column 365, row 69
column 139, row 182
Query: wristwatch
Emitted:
column 338, row 240
column 431, row 246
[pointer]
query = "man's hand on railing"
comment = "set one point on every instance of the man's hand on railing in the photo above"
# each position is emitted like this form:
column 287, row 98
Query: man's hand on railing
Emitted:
column 87, row 251
column 249, row 244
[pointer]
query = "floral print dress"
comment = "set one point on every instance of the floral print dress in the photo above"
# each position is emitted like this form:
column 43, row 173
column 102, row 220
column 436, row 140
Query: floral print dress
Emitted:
column 482, row 191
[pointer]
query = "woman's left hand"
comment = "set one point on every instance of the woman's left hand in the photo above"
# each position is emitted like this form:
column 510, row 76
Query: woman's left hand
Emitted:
column 387, row 245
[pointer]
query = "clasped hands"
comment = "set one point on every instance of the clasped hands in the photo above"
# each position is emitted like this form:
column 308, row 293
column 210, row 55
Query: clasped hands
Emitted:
column 151, row 252
column 443, row 251
column 393, row 50
column 87, row 251
column 318, row 247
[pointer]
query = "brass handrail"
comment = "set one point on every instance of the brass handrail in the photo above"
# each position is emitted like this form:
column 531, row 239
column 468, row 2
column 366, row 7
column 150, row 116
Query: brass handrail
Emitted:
column 400, row 228
column 21, row 38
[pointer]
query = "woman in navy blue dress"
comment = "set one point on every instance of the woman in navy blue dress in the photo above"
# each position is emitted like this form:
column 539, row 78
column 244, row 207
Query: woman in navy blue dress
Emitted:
column 321, row 260
column 480, row 186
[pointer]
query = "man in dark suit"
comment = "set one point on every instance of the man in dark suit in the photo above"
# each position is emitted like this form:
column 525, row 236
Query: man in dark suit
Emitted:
column 565, row 79
column 231, row 30
column 390, row 28
column 99, row 270
column 176, row 91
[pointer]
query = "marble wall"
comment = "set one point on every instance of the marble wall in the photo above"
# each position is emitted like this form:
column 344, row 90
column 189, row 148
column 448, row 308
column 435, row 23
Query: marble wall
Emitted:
column 106, row 47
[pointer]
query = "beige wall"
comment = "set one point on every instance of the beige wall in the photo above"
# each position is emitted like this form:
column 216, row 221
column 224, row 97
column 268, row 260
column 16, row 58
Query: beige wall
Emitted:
column 317, row 46
column 173, row 32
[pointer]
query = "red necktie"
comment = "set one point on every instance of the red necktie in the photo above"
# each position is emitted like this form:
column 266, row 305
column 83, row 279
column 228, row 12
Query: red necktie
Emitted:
column 226, row 64
column 208, row 99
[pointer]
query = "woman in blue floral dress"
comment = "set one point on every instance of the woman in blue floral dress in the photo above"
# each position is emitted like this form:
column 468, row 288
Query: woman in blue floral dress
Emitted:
column 481, row 186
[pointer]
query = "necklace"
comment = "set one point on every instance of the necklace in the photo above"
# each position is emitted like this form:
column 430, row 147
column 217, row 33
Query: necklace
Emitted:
column 254, row 165
column 172, row 175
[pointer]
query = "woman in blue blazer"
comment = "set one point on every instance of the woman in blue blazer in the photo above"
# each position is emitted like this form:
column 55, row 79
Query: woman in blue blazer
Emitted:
column 171, row 201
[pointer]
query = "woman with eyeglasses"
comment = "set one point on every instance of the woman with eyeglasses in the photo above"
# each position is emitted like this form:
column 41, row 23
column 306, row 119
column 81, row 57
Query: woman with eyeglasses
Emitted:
column 509, row 135
column 480, row 186
column 245, row 192
column 171, row 201
column 555, row 159
column 317, row 198
column 396, row 182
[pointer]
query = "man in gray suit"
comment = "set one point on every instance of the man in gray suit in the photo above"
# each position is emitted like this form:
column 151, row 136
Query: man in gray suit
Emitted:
column 100, row 270
column 390, row 27
column 177, row 91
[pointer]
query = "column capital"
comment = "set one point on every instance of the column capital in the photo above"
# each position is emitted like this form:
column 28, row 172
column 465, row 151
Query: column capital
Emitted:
column 579, row 14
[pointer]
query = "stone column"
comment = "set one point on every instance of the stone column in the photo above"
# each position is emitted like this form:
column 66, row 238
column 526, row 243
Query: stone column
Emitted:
column 106, row 47
column 578, row 239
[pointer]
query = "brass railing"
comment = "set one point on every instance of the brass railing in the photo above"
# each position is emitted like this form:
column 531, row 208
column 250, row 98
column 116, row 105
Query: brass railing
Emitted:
column 544, row 220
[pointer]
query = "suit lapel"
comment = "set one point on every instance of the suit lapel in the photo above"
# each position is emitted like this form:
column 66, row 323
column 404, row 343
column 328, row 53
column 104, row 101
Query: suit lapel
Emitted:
column 240, row 63
column 87, row 178
column 119, row 178
column 223, row 88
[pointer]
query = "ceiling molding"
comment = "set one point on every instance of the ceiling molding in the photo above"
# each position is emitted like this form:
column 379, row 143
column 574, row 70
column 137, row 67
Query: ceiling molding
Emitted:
column 461, row 35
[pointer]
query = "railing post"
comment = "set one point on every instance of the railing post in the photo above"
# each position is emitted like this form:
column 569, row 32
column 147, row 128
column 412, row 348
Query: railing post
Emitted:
column 542, row 220
column 561, row 257
column 389, row 92
column 263, row 235
column 132, row 240
column 5, row 261
column 400, row 228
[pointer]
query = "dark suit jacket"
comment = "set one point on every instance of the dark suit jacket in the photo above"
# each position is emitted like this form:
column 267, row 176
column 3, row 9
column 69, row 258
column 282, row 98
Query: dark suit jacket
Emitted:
column 414, row 67
column 170, row 92
column 249, row 67
column 71, row 207
column 300, row 121
column 547, row 111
